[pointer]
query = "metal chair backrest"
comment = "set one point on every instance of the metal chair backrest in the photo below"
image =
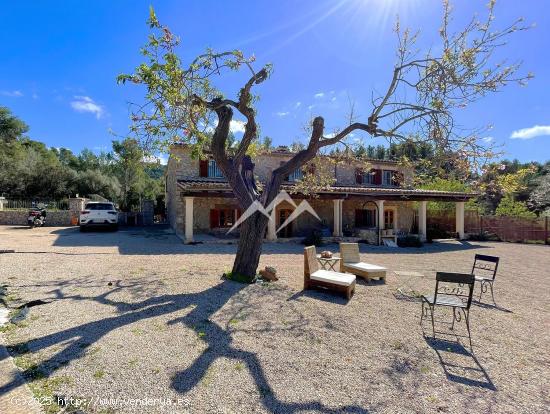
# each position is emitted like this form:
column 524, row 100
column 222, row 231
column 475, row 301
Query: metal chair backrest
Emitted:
column 349, row 252
column 311, row 264
column 485, row 266
column 458, row 279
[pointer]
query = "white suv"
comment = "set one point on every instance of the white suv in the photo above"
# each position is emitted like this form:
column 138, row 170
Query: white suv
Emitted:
column 98, row 213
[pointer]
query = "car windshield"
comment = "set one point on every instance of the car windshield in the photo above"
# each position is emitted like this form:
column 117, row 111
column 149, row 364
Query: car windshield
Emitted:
column 100, row 206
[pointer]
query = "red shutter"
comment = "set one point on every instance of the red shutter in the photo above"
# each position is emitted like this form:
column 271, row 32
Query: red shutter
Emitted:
column 286, row 177
column 377, row 177
column 203, row 168
column 214, row 218
column 358, row 176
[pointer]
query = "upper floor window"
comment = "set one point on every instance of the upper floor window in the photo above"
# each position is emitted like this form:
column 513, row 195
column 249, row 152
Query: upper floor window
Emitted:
column 209, row 168
column 370, row 177
column 213, row 170
column 296, row 175
column 387, row 177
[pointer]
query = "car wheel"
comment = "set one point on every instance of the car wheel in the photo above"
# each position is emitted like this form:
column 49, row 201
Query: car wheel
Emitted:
column 82, row 229
column 114, row 227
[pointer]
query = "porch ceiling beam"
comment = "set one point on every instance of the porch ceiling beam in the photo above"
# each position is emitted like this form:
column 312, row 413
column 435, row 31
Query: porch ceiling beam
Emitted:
column 340, row 196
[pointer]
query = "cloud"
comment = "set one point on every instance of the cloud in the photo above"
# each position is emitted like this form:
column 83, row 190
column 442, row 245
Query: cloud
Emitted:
column 87, row 104
column 35, row 96
column 281, row 114
column 236, row 126
column 488, row 139
column 12, row 94
column 528, row 133
column 319, row 95
column 297, row 105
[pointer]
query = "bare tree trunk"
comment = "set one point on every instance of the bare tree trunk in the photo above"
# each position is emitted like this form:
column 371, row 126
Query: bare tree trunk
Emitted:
column 250, row 247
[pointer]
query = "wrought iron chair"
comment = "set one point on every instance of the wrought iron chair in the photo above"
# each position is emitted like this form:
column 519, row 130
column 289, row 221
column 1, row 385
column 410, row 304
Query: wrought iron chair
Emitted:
column 485, row 271
column 450, row 296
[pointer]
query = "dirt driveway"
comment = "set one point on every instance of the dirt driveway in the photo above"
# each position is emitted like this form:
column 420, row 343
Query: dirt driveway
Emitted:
column 134, row 321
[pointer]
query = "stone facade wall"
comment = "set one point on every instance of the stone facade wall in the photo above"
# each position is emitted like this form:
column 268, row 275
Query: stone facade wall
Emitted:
column 181, row 165
column 19, row 218
column 264, row 164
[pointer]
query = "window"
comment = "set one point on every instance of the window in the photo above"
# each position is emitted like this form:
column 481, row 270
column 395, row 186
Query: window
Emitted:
column 100, row 206
column 365, row 218
column 296, row 175
column 369, row 177
column 389, row 216
column 213, row 170
column 387, row 177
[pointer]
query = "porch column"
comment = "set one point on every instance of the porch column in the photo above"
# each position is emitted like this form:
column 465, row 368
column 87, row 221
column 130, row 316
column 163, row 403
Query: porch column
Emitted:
column 380, row 204
column 422, row 233
column 381, row 224
column 271, row 227
column 188, row 219
column 337, row 218
column 460, row 219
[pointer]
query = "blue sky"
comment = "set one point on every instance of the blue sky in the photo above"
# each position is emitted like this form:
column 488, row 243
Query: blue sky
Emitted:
column 60, row 60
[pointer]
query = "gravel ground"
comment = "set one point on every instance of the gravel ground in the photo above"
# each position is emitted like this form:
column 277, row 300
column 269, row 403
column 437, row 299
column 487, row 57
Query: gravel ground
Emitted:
column 136, row 314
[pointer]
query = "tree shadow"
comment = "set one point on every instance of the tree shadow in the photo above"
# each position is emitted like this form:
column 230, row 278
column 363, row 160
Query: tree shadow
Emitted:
column 459, row 364
column 324, row 295
column 201, row 305
column 490, row 306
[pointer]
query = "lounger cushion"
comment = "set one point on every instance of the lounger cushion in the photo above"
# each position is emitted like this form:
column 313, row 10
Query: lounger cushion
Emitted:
column 337, row 278
column 365, row 267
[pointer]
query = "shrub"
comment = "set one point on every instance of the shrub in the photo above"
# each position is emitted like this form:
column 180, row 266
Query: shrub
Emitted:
column 313, row 239
column 409, row 241
column 437, row 232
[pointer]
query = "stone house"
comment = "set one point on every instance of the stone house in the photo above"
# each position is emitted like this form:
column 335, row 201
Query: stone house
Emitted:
column 365, row 204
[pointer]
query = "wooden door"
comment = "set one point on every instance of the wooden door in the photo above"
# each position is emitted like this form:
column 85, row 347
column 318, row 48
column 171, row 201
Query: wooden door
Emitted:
column 287, row 230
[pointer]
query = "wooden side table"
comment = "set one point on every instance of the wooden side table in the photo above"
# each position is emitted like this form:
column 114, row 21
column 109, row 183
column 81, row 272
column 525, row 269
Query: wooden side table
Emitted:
column 328, row 263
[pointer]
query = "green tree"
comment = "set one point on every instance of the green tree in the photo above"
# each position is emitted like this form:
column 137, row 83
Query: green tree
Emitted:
column 129, row 169
column 11, row 127
column 512, row 208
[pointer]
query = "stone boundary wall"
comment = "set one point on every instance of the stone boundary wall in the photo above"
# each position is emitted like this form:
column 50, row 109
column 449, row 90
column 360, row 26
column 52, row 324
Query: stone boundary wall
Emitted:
column 19, row 218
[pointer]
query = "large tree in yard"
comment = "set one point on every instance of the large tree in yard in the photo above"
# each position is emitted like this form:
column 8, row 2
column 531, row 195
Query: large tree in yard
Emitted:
column 424, row 93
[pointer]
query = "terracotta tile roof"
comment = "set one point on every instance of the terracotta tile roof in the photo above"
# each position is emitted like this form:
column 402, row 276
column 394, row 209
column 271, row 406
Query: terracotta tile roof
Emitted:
column 220, row 184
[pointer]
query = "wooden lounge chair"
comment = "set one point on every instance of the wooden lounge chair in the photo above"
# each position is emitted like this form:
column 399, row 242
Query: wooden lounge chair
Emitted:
column 315, row 277
column 349, row 252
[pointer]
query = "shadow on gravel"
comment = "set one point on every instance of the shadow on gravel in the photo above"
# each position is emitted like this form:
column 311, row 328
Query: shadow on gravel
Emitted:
column 459, row 364
column 202, row 306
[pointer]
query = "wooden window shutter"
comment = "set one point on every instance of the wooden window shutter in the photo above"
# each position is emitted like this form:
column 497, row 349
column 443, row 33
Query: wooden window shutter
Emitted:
column 214, row 218
column 377, row 177
column 286, row 177
column 358, row 176
column 203, row 168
